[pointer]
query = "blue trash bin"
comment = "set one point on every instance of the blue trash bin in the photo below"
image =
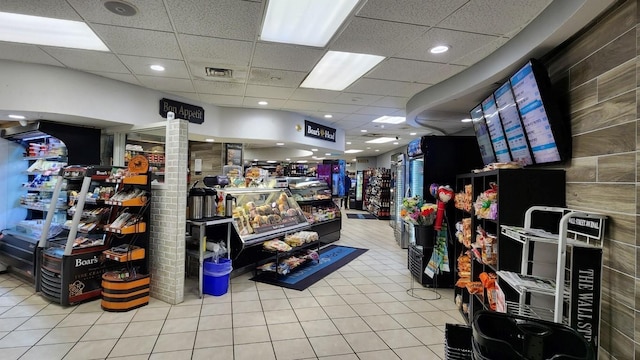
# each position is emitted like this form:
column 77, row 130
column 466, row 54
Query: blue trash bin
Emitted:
column 215, row 277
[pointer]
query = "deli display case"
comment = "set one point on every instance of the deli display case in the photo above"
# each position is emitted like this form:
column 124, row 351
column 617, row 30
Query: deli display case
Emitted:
column 313, row 195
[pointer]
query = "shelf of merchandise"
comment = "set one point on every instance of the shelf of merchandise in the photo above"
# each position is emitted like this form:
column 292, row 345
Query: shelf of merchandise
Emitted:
column 573, row 296
column 378, row 193
column 276, row 257
column 314, row 198
column 156, row 158
column 517, row 190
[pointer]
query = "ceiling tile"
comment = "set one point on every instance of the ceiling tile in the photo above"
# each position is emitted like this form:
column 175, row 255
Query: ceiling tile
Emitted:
column 167, row 84
column 359, row 99
column 216, row 52
column 479, row 54
column 314, row 95
column 218, row 88
column 186, row 95
column 460, row 43
column 57, row 9
column 87, row 60
column 285, row 57
column 376, row 110
column 126, row 41
column 338, row 107
column 268, row 92
column 419, row 12
column 221, row 100
column 128, row 78
column 276, row 77
column 301, row 105
column 393, row 101
column 151, row 15
column 495, row 17
column 26, row 53
column 252, row 102
column 405, row 70
column 368, row 36
column 140, row 66
column 221, row 18
column 385, row 87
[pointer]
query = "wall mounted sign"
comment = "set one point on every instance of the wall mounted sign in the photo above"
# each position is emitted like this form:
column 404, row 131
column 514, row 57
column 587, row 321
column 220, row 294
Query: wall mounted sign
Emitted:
column 318, row 131
column 233, row 154
column 193, row 114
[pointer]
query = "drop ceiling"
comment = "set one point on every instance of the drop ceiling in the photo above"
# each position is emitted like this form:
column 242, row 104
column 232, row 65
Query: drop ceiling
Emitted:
column 186, row 36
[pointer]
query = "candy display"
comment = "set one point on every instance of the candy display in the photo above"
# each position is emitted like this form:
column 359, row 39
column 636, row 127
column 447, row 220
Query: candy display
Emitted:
column 486, row 204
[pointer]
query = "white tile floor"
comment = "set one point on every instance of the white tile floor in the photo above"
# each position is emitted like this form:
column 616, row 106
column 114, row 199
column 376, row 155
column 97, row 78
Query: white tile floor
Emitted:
column 361, row 311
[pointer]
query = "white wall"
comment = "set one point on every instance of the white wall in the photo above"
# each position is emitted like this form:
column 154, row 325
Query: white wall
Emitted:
column 384, row 160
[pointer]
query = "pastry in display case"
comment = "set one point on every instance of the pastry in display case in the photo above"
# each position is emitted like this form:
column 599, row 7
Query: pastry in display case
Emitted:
column 313, row 195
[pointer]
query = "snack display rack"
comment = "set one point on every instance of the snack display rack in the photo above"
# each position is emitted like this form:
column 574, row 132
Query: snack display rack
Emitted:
column 313, row 195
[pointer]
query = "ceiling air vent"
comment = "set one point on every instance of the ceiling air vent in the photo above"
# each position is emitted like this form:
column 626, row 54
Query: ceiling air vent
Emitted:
column 219, row 72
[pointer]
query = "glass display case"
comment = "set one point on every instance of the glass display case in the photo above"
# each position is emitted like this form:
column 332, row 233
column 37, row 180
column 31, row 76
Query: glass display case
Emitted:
column 313, row 195
column 261, row 214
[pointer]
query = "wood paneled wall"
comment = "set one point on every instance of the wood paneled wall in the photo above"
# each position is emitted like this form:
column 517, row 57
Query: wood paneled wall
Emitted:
column 597, row 76
column 211, row 155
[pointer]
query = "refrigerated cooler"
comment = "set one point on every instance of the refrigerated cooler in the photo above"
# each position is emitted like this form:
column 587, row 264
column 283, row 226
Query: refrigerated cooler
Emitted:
column 359, row 188
column 438, row 159
column 398, row 193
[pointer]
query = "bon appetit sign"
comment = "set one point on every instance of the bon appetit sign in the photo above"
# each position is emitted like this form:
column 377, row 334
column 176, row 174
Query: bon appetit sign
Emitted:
column 318, row 131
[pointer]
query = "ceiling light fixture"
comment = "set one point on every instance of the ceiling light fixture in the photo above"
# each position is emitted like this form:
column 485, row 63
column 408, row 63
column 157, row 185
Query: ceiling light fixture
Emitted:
column 337, row 70
column 301, row 161
column 157, row 67
column 363, row 130
column 466, row 120
column 328, row 116
column 271, row 161
column 17, row 117
column 47, row 31
column 412, row 134
column 304, row 22
column 279, row 144
column 439, row 49
column 263, row 103
column 377, row 150
column 380, row 140
column 390, row 119
column 348, row 142
column 209, row 140
column 314, row 149
column 288, row 159
column 395, row 143
column 352, row 151
column 327, row 154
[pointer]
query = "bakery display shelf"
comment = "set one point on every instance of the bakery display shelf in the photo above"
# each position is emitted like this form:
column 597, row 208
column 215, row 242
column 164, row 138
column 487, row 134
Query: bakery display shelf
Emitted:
column 133, row 180
column 139, row 201
column 137, row 228
column 133, row 253
column 294, row 249
column 291, row 268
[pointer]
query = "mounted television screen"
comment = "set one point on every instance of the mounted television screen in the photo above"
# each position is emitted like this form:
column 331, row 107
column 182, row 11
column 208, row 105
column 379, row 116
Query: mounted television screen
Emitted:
column 492, row 119
column 512, row 125
column 540, row 118
column 482, row 135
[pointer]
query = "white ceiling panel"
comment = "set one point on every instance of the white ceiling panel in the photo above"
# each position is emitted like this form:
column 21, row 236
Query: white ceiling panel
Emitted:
column 301, row 105
column 376, row 37
column 479, row 54
column 349, row 98
column 128, row 78
column 285, row 57
column 460, row 43
column 126, row 41
column 222, row 100
column 216, row 51
column 57, row 9
column 392, row 101
column 338, row 107
column 419, row 12
column 231, row 19
column 314, row 95
column 376, row 111
column 87, row 60
column 151, row 14
column 218, row 88
column 186, row 95
column 252, row 102
column 26, row 53
column 405, row 70
column 166, row 84
column 384, row 87
column 141, row 66
column 495, row 17
column 268, row 92
column 273, row 77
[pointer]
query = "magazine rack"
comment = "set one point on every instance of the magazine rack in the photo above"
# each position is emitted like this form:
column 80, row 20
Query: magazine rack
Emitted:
column 571, row 294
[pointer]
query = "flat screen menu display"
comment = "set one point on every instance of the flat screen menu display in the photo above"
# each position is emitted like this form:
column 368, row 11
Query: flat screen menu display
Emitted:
column 482, row 135
column 512, row 125
column 492, row 119
column 534, row 116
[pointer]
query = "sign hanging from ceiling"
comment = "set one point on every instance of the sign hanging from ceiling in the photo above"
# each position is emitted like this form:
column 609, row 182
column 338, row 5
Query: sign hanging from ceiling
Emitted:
column 318, row 131
column 191, row 113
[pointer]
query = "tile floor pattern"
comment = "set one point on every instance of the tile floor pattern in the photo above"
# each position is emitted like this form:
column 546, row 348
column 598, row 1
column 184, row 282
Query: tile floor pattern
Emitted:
column 361, row 311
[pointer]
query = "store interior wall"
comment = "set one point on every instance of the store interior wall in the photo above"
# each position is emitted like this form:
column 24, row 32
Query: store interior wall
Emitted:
column 211, row 156
column 596, row 77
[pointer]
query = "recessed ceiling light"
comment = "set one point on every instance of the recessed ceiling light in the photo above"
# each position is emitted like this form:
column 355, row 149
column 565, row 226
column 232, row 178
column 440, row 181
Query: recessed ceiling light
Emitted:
column 337, row 70
column 412, row 133
column 288, row 159
column 466, row 120
column 327, row 154
column 304, row 22
column 368, row 147
column 380, row 140
column 319, row 158
column 348, row 142
column 363, row 130
column 395, row 143
column 390, row 119
column 255, row 159
column 328, row 116
column 301, row 161
column 377, row 150
column 263, row 103
column 157, row 67
column 17, row 117
column 439, row 49
column 47, row 31
column 314, row 149
column 271, row 161
column 279, row 144
column 352, row 151
column 209, row 140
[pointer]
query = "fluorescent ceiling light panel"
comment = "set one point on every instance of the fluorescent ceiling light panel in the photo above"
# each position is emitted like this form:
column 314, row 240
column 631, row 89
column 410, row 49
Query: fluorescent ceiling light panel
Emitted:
column 380, row 140
column 304, row 22
column 337, row 70
column 352, row 151
column 390, row 119
column 47, row 31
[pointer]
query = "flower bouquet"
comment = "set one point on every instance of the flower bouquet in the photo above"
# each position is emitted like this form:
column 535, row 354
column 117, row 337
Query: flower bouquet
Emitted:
column 415, row 211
